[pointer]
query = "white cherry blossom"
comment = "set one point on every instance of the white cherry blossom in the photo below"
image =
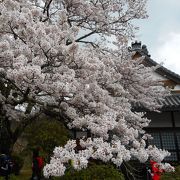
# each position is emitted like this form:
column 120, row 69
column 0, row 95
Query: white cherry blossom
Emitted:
column 55, row 59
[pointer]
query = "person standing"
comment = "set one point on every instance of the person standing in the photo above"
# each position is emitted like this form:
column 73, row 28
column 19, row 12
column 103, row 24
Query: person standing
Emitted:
column 156, row 171
column 5, row 166
column 37, row 165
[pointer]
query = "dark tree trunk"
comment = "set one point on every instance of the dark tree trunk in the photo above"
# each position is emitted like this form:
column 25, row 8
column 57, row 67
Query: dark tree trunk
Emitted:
column 6, row 142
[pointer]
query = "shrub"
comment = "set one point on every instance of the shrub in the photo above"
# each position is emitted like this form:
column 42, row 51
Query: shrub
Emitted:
column 173, row 175
column 95, row 172
column 46, row 133
column 11, row 177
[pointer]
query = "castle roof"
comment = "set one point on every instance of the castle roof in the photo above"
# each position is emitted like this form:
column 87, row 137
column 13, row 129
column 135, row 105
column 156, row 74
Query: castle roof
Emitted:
column 171, row 102
column 148, row 61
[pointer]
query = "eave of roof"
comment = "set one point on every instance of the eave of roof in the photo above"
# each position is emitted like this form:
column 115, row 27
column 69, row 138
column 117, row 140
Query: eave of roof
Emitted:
column 164, row 71
column 161, row 69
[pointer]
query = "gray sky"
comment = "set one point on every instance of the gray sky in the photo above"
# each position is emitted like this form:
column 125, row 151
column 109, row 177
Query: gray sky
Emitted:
column 161, row 32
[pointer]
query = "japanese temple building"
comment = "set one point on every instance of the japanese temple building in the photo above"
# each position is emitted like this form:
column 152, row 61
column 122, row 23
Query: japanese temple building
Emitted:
column 164, row 126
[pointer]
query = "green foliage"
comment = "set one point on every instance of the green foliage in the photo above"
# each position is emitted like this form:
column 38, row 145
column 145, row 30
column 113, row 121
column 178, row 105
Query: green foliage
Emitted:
column 93, row 172
column 46, row 133
column 173, row 175
column 18, row 163
column 24, row 176
column 11, row 177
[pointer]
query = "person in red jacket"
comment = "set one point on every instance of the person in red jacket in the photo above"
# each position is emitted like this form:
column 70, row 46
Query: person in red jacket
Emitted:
column 37, row 165
column 156, row 171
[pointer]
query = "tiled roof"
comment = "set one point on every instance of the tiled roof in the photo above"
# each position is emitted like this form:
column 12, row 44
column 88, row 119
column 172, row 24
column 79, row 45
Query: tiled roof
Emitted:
column 171, row 103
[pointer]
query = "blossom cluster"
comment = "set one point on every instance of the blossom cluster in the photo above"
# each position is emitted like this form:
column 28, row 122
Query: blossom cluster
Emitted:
column 98, row 149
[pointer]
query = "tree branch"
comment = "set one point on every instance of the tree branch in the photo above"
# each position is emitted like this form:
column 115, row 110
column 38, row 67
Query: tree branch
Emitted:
column 15, row 34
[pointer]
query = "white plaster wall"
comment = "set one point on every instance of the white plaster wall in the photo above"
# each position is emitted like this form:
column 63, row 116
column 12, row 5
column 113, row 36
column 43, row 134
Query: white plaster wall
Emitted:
column 177, row 87
column 157, row 76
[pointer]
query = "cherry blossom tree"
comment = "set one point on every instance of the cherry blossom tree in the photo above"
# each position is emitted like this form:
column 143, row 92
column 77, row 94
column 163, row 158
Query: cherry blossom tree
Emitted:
column 69, row 59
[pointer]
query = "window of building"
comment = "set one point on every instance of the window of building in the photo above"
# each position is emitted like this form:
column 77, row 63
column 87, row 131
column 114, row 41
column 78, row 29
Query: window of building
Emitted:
column 166, row 140
column 178, row 139
column 172, row 157
column 156, row 140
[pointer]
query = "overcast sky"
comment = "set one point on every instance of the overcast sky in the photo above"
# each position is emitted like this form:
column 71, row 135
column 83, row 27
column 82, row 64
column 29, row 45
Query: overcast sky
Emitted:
column 161, row 32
